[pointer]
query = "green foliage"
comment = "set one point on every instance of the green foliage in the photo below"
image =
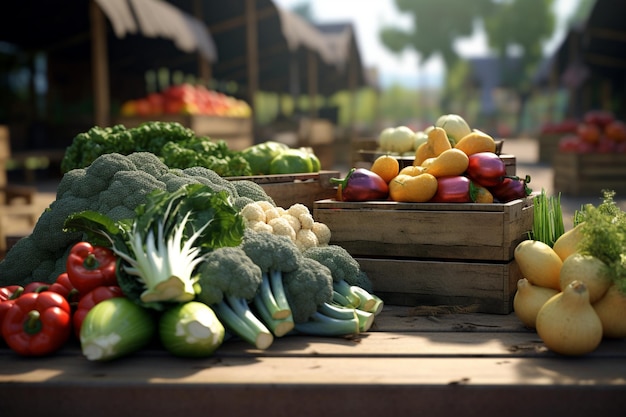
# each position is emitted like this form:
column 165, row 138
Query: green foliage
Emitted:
column 177, row 146
column 604, row 235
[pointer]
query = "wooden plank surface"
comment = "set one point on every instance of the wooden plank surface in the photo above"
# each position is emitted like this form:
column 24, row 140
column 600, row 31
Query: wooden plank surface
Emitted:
column 415, row 360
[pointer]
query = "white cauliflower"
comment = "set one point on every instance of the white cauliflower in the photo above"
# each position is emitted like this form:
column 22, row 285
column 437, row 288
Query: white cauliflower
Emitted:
column 281, row 226
column 322, row 232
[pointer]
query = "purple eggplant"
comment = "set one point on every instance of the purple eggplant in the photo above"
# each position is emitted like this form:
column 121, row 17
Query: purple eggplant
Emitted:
column 511, row 188
column 361, row 184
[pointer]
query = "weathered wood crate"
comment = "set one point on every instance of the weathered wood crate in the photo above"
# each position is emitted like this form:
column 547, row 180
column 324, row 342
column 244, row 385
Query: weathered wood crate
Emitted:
column 588, row 174
column 548, row 146
column 434, row 254
column 288, row 189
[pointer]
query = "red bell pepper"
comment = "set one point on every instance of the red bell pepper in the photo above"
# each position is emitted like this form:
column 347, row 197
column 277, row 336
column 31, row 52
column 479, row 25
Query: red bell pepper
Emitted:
column 89, row 300
column 91, row 266
column 8, row 295
column 62, row 285
column 361, row 184
column 37, row 324
column 10, row 292
column 36, row 286
column 511, row 188
column 455, row 189
column 486, row 169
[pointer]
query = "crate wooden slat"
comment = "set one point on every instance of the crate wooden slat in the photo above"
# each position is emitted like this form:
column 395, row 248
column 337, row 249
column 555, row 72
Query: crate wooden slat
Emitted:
column 548, row 146
column 469, row 231
column 288, row 189
column 434, row 253
column 588, row 174
column 486, row 287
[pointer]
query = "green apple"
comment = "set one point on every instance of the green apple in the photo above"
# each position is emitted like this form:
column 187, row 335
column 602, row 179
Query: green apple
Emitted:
column 420, row 137
column 399, row 139
column 455, row 126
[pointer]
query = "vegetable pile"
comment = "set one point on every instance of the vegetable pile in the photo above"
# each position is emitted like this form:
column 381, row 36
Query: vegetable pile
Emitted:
column 453, row 164
column 573, row 290
column 114, row 185
column 133, row 252
column 176, row 145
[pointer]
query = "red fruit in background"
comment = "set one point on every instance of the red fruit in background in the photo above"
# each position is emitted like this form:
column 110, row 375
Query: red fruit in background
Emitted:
column 569, row 143
column 599, row 118
column 605, row 145
column 589, row 133
column 616, row 131
column 585, row 147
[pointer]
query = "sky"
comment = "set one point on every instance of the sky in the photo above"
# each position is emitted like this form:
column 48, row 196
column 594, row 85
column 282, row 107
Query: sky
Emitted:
column 369, row 16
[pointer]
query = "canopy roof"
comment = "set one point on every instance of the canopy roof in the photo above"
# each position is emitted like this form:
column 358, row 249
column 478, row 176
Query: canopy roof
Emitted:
column 253, row 42
column 595, row 46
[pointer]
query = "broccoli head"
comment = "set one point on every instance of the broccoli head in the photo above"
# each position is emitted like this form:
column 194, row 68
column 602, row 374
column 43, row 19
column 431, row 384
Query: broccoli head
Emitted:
column 252, row 190
column 228, row 280
column 342, row 265
column 227, row 271
column 307, row 287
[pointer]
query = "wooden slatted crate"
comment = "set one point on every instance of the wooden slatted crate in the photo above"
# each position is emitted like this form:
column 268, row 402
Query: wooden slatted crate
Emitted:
column 289, row 189
column 588, row 174
column 434, row 254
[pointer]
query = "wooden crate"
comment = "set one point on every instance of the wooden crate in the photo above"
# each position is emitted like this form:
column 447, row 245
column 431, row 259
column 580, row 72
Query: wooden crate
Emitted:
column 431, row 253
column 548, row 146
column 287, row 190
column 588, row 174
column 236, row 131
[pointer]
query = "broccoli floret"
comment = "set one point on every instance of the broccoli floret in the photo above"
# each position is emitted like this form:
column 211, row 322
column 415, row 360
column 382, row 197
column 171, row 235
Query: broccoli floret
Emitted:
column 228, row 281
column 211, row 178
column 252, row 190
column 241, row 202
column 309, row 291
column 348, row 279
column 307, row 287
column 275, row 255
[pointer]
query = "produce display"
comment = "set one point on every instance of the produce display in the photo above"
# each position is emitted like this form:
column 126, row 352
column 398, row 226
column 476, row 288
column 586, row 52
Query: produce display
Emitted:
column 134, row 251
column 186, row 99
column 573, row 290
column 598, row 132
column 452, row 164
column 179, row 148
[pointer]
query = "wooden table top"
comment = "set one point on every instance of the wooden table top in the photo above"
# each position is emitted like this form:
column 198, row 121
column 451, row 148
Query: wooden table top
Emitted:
column 414, row 361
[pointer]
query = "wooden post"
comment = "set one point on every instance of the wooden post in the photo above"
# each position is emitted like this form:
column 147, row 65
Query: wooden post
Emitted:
column 312, row 83
column 205, row 72
column 99, row 63
column 252, row 54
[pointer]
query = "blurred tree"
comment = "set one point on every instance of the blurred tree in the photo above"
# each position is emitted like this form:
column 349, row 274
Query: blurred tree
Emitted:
column 436, row 26
column 518, row 28
column 513, row 27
